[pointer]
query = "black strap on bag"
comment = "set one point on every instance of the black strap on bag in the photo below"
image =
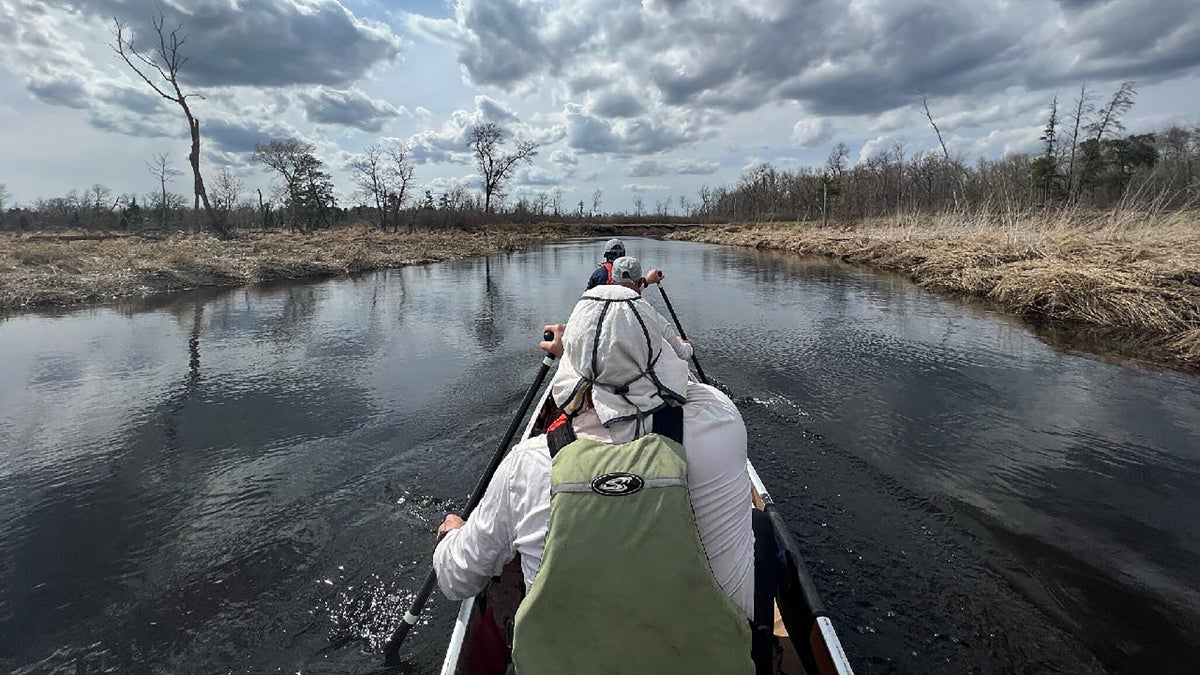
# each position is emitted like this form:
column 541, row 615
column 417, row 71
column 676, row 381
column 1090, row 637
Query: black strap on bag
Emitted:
column 668, row 421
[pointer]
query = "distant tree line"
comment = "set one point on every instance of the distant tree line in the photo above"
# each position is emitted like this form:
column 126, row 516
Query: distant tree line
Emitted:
column 304, row 199
column 1086, row 160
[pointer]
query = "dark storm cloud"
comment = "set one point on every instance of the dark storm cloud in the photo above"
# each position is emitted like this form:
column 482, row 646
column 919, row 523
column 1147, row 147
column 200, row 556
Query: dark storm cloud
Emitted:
column 1127, row 39
column 836, row 57
column 239, row 136
column 1080, row 4
column 259, row 42
column 349, row 108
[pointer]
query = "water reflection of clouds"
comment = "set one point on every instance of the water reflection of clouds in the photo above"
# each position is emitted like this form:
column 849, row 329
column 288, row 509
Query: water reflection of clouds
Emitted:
column 45, row 421
column 313, row 399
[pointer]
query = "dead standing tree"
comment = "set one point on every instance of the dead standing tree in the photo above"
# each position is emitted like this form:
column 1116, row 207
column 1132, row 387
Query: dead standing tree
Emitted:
column 166, row 61
column 951, row 164
column 495, row 167
column 1083, row 108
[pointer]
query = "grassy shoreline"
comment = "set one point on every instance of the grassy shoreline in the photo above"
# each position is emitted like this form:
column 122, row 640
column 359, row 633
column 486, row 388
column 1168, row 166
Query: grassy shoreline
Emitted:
column 1131, row 278
column 47, row 270
column 1136, row 274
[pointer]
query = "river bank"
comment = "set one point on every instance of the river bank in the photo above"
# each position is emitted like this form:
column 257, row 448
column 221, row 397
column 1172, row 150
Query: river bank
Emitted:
column 1135, row 275
column 46, row 269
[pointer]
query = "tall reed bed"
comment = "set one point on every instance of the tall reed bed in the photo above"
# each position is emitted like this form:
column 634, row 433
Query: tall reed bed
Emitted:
column 58, row 270
column 1132, row 269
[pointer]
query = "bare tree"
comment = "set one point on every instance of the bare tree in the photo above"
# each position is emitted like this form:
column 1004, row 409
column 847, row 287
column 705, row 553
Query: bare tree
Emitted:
column 97, row 202
column 165, row 61
column 3, row 196
column 385, row 176
column 950, row 164
column 900, row 154
column 98, row 196
column 929, row 115
column 227, row 192
column 556, row 201
column 370, row 175
column 1109, row 118
column 639, row 204
column 597, row 195
column 495, row 167
column 400, row 169
column 160, row 167
column 1083, row 108
column 706, row 199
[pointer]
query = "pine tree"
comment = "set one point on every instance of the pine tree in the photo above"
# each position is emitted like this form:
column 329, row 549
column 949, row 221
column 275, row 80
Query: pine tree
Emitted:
column 1045, row 168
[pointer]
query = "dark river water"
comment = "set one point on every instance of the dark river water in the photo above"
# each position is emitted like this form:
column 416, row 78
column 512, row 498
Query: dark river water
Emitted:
column 225, row 481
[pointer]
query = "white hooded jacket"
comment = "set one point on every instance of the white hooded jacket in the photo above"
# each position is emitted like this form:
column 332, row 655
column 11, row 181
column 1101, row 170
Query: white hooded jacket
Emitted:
column 616, row 348
column 615, row 345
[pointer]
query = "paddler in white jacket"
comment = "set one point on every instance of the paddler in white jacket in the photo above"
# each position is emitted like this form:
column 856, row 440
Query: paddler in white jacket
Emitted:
column 627, row 272
column 648, row 566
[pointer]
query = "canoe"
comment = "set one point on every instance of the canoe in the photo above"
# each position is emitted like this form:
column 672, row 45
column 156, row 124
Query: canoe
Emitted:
column 805, row 642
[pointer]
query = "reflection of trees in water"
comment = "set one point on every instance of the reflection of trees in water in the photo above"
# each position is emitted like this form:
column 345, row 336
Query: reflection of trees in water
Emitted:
column 177, row 401
column 388, row 285
column 177, row 304
column 293, row 318
column 487, row 330
column 194, row 343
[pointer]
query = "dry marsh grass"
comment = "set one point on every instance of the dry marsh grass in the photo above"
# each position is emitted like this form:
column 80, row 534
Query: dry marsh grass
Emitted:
column 41, row 270
column 1129, row 270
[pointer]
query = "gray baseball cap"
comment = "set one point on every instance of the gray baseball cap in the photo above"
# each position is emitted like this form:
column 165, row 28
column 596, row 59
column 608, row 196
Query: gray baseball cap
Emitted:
column 626, row 269
column 614, row 248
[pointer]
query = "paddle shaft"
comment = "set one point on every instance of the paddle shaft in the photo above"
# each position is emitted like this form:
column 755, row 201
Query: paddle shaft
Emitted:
column 391, row 649
column 679, row 327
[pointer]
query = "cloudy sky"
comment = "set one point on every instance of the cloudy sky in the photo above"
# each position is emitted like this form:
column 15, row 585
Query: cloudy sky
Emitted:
column 656, row 96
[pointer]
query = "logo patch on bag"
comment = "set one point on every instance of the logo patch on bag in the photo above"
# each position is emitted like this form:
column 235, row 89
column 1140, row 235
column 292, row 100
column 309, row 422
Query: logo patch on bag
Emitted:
column 617, row 484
